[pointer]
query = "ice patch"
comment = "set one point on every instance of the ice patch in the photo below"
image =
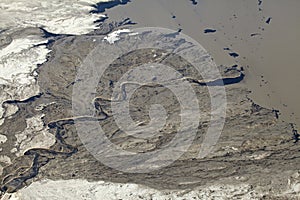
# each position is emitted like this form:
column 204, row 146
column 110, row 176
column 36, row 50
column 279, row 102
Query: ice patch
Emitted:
column 34, row 136
column 3, row 139
column 115, row 36
column 18, row 61
column 82, row 189
column 56, row 16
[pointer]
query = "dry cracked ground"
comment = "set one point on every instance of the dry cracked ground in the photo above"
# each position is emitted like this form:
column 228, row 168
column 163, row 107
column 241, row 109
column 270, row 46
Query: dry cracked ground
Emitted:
column 256, row 157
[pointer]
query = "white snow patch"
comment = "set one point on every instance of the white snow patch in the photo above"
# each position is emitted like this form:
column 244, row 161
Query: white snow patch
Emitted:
column 82, row 189
column 18, row 92
column 10, row 110
column 18, row 61
column 115, row 36
column 17, row 45
column 36, row 135
column 56, row 16
column 3, row 139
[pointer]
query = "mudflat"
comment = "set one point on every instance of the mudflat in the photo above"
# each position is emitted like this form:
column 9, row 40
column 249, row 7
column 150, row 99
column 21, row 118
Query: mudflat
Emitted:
column 265, row 34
